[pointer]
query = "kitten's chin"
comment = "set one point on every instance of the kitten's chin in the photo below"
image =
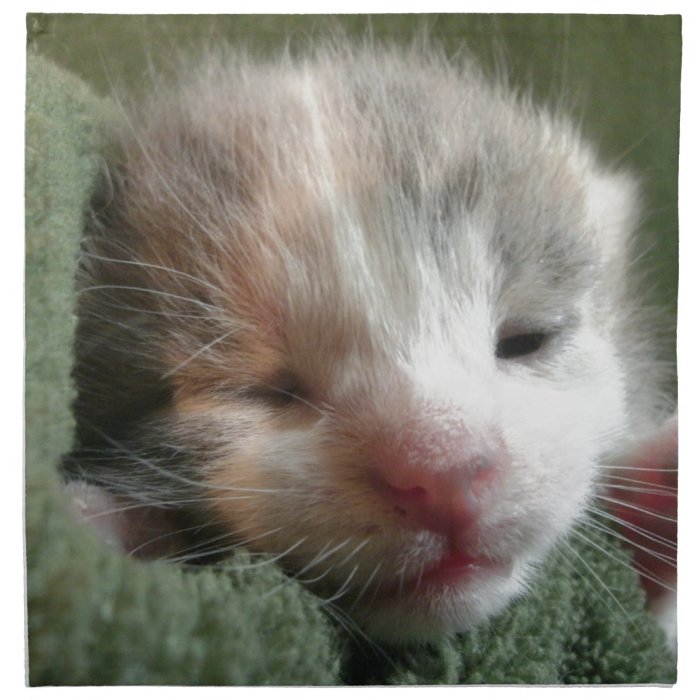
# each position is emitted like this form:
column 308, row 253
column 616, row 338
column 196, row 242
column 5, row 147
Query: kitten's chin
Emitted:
column 447, row 600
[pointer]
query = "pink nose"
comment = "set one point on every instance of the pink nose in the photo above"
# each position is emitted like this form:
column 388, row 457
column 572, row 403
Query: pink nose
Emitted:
column 435, row 473
column 446, row 501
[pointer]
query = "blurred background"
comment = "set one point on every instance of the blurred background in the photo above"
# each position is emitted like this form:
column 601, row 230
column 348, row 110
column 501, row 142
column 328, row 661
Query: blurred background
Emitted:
column 618, row 75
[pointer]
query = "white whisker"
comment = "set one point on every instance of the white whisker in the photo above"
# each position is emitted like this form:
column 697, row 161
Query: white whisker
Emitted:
column 657, row 555
column 148, row 290
column 153, row 266
column 626, row 480
column 609, row 594
column 639, row 509
column 654, row 537
column 639, row 469
column 344, row 587
column 366, row 585
column 195, row 355
column 270, row 559
column 638, row 489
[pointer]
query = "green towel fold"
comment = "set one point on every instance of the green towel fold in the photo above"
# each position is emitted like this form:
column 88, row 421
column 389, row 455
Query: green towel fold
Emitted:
column 96, row 617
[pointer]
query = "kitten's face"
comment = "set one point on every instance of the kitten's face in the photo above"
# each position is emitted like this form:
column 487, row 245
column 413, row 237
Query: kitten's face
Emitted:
column 360, row 384
column 380, row 318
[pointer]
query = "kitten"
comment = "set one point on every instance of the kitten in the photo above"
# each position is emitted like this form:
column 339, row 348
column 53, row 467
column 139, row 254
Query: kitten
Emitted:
column 366, row 311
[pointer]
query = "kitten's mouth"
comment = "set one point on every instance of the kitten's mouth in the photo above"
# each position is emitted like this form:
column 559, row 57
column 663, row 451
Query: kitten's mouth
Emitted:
column 454, row 570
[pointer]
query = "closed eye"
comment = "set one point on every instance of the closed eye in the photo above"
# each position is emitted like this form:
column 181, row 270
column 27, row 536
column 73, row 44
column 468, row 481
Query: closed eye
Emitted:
column 519, row 345
column 284, row 390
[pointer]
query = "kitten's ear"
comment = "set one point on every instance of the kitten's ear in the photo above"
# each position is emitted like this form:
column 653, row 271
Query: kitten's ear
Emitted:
column 612, row 204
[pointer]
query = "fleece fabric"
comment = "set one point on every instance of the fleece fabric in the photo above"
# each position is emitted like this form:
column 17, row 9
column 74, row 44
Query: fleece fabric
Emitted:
column 96, row 617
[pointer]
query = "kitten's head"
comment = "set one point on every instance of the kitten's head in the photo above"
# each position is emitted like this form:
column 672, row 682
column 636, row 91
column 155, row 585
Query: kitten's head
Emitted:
column 373, row 307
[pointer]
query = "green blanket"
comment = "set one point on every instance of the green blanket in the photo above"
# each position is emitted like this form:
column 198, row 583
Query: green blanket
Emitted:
column 96, row 617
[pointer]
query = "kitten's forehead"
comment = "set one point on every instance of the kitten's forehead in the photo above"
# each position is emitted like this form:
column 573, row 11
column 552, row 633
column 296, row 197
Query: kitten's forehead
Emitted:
column 415, row 194
column 361, row 204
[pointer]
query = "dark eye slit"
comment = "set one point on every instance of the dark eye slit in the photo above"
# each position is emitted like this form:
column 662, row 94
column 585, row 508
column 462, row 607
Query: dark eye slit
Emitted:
column 519, row 345
column 282, row 390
